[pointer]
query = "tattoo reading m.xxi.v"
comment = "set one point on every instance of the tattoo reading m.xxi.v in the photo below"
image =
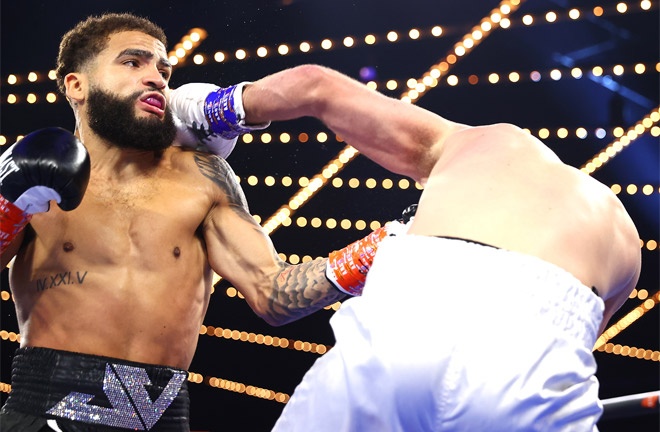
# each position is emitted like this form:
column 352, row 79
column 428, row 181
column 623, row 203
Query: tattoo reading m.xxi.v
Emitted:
column 59, row 279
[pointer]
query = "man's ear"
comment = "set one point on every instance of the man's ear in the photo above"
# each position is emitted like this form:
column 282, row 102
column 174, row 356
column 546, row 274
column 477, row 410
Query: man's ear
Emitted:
column 76, row 87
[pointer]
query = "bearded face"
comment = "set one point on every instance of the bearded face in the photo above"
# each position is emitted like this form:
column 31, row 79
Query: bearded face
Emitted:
column 113, row 118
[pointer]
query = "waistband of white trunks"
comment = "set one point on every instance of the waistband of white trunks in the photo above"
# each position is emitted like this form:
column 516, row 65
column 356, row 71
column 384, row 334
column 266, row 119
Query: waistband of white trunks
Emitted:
column 485, row 276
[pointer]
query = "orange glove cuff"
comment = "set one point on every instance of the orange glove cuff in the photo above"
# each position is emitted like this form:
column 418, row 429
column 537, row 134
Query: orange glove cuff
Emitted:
column 347, row 268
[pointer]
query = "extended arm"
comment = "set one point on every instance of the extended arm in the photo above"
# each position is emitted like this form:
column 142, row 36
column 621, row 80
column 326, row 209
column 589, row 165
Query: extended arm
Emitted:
column 240, row 251
column 398, row 136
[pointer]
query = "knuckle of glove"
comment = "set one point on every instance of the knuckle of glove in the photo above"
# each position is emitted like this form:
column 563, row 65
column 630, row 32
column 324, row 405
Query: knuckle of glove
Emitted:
column 193, row 128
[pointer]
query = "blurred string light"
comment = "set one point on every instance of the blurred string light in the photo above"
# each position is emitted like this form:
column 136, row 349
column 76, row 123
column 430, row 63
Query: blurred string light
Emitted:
column 177, row 56
column 260, row 339
column 579, row 132
column 628, row 351
column 516, row 77
column 633, row 189
column 400, row 184
column 639, row 293
column 337, row 182
column 238, row 387
column 602, row 343
column 492, row 78
column 186, row 46
column 499, row 17
column 649, row 122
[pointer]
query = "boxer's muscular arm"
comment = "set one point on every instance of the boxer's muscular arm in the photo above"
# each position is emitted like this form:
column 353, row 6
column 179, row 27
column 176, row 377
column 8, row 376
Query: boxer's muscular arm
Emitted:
column 240, row 251
column 399, row 136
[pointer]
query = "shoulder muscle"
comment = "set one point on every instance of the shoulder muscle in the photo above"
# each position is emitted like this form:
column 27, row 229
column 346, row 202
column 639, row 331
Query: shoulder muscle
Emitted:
column 220, row 173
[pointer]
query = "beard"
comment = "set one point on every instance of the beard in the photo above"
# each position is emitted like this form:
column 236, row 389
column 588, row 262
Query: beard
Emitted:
column 113, row 118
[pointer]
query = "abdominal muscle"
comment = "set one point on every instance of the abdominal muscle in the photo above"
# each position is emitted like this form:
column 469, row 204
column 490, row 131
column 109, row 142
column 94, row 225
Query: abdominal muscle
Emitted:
column 143, row 313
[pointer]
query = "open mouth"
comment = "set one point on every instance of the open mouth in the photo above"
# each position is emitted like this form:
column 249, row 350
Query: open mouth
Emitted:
column 153, row 102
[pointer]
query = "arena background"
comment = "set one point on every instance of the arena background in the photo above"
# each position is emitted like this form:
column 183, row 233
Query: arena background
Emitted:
column 582, row 75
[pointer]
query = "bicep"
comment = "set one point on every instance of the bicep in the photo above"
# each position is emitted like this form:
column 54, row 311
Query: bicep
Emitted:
column 238, row 248
column 240, row 251
column 399, row 136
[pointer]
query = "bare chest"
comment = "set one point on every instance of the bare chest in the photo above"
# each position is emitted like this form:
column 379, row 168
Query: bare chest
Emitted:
column 147, row 221
column 125, row 199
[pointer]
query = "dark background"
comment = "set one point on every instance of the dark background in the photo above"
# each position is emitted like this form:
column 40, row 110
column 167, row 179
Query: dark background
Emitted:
column 29, row 40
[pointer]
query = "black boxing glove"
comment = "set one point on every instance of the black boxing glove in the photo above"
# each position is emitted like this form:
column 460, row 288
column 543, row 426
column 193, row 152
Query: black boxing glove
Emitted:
column 48, row 164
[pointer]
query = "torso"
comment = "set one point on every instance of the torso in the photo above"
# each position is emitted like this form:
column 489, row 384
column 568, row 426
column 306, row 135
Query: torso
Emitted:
column 125, row 274
column 557, row 213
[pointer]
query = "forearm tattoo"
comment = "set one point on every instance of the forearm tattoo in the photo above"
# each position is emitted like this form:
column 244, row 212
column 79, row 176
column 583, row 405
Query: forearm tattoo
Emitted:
column 300, row 290
column 218, row 170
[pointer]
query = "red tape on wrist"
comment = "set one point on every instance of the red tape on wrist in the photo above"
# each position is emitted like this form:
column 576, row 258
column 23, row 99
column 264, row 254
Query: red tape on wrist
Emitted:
column 12, row 221
column 351, row 264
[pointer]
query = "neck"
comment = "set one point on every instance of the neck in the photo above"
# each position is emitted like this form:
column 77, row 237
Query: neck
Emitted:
column 106, row 157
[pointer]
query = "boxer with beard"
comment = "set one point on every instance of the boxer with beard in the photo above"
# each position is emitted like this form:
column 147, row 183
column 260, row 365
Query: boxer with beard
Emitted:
column 111, row 284
column 126, row 130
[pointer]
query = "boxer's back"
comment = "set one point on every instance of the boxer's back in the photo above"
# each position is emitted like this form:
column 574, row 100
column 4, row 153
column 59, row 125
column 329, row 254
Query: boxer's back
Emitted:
column 500, row 186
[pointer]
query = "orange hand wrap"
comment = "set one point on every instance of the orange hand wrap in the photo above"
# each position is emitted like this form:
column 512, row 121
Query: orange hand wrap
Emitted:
column 12, row 221
column 347, row 268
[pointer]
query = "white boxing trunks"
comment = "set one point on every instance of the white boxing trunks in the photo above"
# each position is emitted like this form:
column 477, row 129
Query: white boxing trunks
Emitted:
column 450, row 335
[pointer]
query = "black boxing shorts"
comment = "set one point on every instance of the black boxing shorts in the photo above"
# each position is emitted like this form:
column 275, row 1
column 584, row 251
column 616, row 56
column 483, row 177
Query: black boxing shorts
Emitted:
column 71, row 392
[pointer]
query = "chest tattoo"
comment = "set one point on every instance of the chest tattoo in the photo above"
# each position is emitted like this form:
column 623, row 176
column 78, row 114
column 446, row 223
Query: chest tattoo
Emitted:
column 60, row 279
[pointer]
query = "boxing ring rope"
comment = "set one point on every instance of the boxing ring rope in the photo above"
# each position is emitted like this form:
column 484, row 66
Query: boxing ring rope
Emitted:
column 631, row 405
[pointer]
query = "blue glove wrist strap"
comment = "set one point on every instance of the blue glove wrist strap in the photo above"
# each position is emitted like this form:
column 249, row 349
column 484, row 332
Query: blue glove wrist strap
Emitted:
column 220, row 110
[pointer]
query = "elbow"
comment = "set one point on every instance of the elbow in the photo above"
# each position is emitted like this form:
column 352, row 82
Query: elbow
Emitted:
column 272, row 321
column 268, row 305
column 273, row 318
column 315, row 83
column 265, row 310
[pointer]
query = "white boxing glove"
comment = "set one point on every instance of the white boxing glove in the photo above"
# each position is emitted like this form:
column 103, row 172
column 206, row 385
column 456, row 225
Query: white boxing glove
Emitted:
column 210, row 118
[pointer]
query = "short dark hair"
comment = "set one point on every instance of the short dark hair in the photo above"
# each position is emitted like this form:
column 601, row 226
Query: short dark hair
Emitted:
column 88, row 38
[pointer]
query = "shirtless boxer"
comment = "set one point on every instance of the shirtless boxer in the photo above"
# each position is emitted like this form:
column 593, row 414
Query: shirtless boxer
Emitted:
column 115, row 242
column 483, row 317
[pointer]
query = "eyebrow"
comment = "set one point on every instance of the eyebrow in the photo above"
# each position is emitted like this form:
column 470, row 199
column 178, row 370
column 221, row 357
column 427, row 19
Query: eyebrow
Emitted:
column 144, row 54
